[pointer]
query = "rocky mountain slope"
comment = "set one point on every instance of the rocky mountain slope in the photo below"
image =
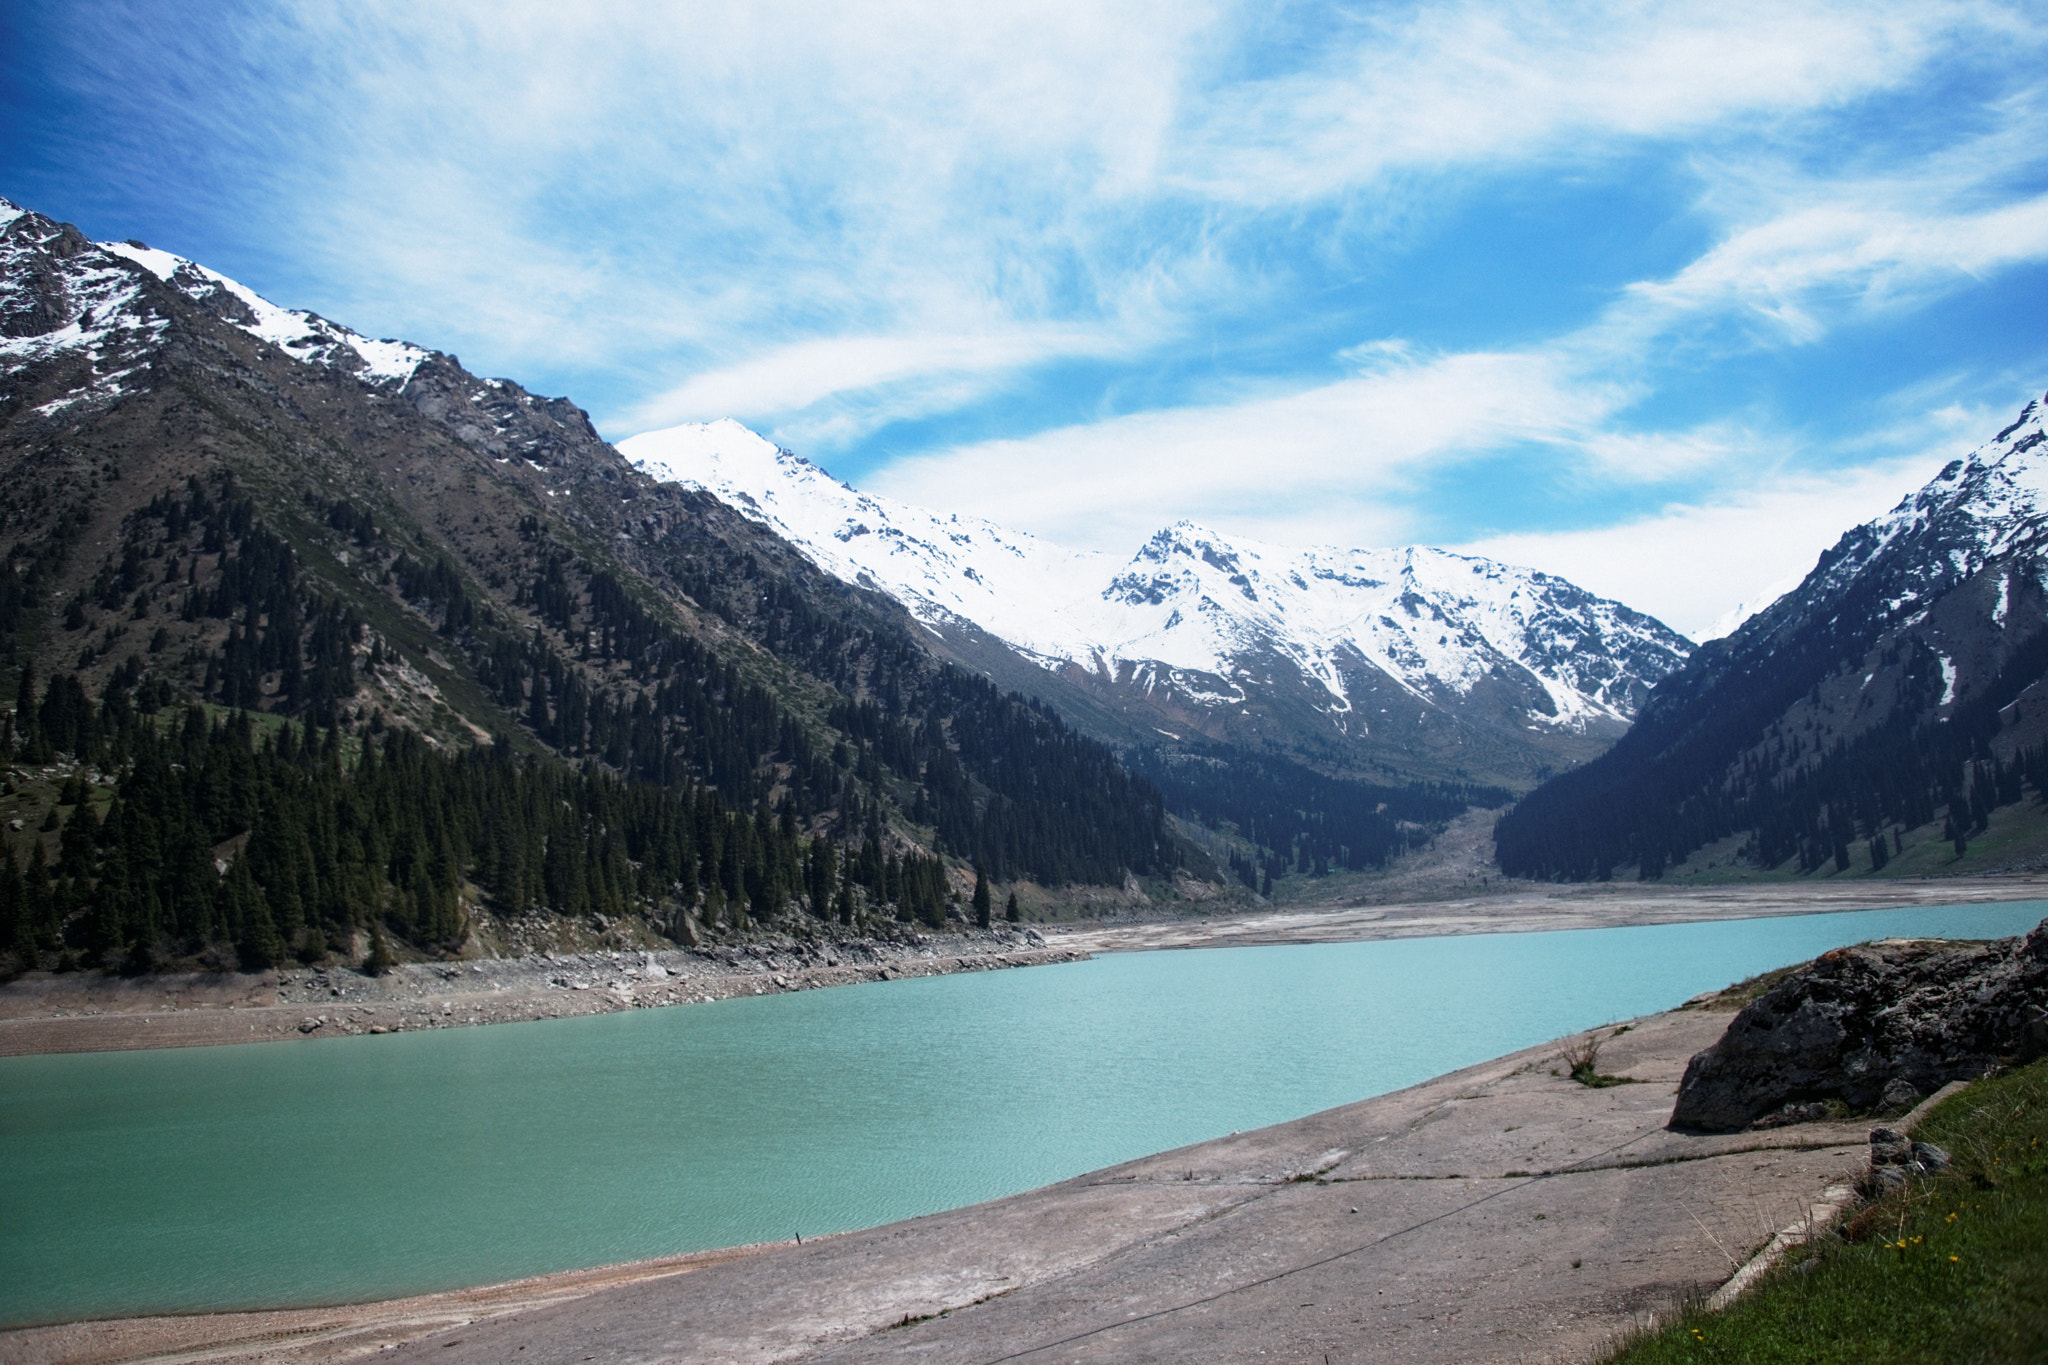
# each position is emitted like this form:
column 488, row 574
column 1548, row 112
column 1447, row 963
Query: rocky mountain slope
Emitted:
column 1898, row 688
column 210, row 500
column 1376, row 663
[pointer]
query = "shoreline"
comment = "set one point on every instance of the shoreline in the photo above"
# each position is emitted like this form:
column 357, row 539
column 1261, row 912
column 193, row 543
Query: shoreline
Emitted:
column 1524, row 908
column 44, row 1013
column 1489, row 1213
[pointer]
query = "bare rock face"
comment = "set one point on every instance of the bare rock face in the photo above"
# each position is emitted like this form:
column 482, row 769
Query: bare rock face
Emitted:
column 1866, row 1026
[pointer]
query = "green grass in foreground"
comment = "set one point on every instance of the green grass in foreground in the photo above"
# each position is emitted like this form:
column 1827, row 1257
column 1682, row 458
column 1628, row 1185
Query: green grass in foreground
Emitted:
column 1954, row 1268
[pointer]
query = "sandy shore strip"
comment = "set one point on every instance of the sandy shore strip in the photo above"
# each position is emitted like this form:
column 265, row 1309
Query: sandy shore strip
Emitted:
column 1499, row 1213
column 1526, row 908
column 88, row 1012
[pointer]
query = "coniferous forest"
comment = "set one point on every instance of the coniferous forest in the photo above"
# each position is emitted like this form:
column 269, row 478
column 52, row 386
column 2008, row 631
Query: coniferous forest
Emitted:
column 1299, row 821
column 311, row 664
column 256, row 819
column 307, row 666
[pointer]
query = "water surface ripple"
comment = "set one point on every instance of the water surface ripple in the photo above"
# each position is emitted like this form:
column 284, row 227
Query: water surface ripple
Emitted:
column 355, row 1168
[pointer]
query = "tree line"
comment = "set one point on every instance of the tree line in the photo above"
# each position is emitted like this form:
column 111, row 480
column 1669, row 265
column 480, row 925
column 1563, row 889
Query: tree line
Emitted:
column 1297, row 820
column 258, row 840
column 1797, row 804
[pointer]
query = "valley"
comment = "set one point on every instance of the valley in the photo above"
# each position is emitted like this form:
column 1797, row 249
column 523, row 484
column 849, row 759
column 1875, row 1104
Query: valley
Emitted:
column 1012, row 683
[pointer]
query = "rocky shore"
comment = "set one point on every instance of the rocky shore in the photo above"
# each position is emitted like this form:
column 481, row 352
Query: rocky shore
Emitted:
column 78, row 1012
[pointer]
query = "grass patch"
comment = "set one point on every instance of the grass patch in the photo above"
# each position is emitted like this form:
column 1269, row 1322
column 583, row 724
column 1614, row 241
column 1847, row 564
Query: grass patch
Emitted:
column 1582, row 1060
column 1951, row 1269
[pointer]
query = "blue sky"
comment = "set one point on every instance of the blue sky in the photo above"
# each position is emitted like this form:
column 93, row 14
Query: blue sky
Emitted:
column 1660, row 297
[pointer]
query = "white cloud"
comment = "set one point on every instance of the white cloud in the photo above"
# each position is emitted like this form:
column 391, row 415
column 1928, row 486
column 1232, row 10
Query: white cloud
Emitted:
column 1849, row 252
column 1330, row 461
column 1323, row 458
column 796, row 377
column 1476, row 83
column 709, row 198
column 1688, row 565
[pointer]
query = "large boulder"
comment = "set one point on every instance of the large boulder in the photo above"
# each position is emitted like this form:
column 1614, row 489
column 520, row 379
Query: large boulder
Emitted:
column 1865, row 1025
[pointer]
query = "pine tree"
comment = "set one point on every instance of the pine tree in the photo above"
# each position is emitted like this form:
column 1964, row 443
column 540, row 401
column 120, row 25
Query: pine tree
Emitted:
column 1010, row 910
column 380, row 960
column 981, row 897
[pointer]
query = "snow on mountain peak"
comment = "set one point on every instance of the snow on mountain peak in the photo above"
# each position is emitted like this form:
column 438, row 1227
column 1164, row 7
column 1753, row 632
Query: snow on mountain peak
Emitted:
column 62, row 294
column 302, row 335
column 1200, row 604
column 1981, row 508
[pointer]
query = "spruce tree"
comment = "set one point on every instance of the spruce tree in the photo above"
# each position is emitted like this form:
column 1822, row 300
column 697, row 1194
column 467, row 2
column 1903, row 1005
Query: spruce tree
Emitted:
column 981, row 897
column 380, row 960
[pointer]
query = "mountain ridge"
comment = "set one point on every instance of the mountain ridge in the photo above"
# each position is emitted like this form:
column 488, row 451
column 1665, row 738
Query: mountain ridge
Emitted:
column 217, row 508
column 1898, row 688
column 1312, row 652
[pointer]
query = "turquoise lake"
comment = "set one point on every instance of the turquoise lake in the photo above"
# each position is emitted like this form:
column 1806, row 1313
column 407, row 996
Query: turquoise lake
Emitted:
column 355, row 1168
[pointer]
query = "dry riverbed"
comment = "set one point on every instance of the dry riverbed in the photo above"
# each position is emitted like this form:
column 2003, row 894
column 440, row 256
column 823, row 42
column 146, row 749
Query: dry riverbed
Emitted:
column 87, row 1012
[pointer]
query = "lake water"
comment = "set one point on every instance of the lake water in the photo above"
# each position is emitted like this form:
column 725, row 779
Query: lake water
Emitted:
column 355, row 1168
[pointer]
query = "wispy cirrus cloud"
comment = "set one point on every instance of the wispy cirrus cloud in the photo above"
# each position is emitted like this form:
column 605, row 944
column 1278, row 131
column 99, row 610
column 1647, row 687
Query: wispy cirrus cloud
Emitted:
column 1469, row 84
column 1097, row 265
column 1254, row 462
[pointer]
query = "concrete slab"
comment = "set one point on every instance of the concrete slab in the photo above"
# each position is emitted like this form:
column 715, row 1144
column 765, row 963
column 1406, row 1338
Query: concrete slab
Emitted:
column 1501, row 1213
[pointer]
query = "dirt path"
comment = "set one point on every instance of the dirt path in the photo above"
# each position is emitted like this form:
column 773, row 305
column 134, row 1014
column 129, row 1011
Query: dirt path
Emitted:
column 1500, row 1213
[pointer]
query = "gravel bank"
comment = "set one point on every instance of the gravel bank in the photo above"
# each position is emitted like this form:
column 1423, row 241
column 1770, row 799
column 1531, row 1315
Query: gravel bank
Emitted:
column 80, row 1012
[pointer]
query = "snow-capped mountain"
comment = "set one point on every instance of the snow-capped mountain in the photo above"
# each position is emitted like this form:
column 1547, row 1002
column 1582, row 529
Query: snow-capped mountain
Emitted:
column 1229, row 637
column 87, row 318
column 110, row 320
column 1988, row 509
column 1396, row 663
column 1899, row 683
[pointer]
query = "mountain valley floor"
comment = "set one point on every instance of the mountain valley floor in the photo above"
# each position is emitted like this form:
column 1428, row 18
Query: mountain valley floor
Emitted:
column 1529, row 907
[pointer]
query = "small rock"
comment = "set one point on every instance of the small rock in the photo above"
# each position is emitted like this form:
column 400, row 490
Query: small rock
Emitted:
column 1888, row 1148
column 1895, row 1159
column 1930, row 1158
column 1899, row 1096
column 308, row 1025
column 1813, row 1111
column 2034, row 1038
